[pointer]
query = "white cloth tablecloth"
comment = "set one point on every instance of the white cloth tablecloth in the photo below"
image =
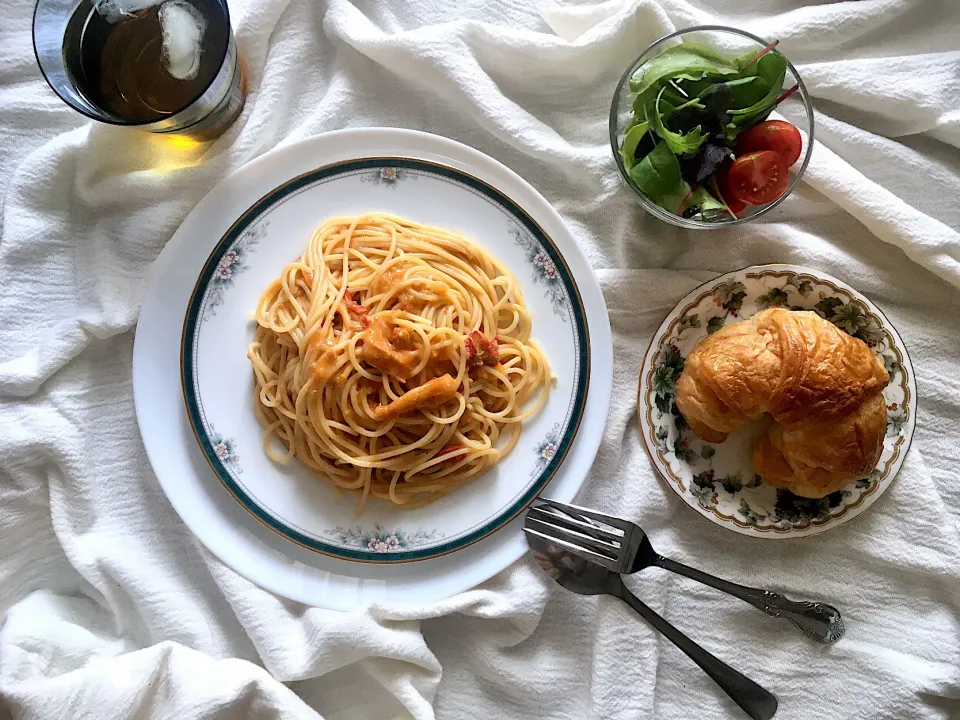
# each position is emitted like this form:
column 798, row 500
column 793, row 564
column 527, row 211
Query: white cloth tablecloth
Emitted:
column 112, row 610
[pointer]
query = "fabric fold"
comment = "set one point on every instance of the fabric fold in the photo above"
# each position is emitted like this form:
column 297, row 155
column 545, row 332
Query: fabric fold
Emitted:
column 111, row 609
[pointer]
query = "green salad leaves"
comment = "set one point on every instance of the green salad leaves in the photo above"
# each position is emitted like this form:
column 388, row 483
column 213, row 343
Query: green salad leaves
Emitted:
column 685, row 61
column 678, row 142
column 658, row 173
column 690, row 104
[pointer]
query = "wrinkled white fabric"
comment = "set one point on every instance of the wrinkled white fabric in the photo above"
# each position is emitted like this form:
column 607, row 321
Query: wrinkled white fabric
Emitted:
column 112, row 610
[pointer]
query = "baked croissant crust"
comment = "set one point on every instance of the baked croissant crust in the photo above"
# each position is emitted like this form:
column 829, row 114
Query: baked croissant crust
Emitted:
column 822, row 387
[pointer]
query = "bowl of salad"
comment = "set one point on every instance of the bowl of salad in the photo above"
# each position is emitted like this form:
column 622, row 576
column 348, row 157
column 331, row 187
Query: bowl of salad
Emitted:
column 711, row 127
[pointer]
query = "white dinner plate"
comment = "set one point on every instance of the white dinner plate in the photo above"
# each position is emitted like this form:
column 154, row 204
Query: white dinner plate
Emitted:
column 279, row 525
column 718, row 480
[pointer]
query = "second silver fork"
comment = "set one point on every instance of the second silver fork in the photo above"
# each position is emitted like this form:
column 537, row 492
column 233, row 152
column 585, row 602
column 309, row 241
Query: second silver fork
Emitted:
column 622, row 547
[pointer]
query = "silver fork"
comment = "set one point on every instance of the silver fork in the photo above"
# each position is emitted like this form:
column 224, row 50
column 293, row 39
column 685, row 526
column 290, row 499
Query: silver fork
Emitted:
column 622, row 547
column 586, row 577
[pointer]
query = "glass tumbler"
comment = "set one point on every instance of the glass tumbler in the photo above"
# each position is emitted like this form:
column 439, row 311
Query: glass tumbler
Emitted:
column 163, row 66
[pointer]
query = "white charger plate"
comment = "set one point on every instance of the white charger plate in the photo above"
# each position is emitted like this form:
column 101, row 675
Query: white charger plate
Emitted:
column 300, row 539
column 718, row 480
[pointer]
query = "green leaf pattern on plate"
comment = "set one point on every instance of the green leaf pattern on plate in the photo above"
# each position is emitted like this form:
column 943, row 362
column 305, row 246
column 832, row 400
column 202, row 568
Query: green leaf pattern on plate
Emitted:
column 665, row 377
column 548, row 447
column 381, row 539
column 388, row 176
column 225, row 449
column 233, row 262
column 545, row 272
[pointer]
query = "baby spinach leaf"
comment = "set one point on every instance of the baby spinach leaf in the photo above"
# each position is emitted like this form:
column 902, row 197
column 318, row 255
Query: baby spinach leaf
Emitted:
column 721, row 97
column 658, row 173
column 684, row 59
column 747, row 63
column 679, row 143
column 741, row 60
column 717, row 97
column 744, row 92
column 744, row 116
column 631, row 141
column 674, row 200
column 770, row 67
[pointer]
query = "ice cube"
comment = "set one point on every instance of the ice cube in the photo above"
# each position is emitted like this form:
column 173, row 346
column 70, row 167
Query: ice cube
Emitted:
column 182, row 26
column 113, row 10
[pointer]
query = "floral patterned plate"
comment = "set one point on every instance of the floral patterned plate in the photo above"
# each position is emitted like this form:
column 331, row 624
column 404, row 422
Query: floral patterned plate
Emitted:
column 210, row 447
column 718, row 480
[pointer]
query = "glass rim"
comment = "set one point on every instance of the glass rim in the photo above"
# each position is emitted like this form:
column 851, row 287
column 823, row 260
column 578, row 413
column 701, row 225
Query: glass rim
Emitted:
column 648, row 204
column 111, row 119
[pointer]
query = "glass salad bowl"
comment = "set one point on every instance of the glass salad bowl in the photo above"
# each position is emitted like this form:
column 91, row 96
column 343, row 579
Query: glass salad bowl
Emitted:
column 695, row 103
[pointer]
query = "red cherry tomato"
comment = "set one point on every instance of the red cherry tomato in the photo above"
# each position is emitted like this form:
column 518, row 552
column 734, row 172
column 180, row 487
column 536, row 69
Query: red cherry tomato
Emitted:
column 777, row 135
column 758, row 177
column 735, row 204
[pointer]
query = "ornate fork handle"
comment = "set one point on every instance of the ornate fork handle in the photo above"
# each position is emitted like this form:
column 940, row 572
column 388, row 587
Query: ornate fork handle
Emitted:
column 819, row 621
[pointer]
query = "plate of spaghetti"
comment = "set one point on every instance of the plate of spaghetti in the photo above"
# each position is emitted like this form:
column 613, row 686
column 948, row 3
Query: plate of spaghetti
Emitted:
column 388, row 346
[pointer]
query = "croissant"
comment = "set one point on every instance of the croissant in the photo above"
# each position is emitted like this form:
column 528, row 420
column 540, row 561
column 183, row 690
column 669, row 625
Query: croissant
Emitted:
column 822, row 388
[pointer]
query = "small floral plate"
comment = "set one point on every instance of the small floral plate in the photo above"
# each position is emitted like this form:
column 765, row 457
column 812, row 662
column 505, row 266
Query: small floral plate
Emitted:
column 718, row 480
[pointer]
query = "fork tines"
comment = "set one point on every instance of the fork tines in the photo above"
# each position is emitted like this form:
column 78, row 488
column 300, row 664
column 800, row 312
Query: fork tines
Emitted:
column 586, row 533
column 587, row 514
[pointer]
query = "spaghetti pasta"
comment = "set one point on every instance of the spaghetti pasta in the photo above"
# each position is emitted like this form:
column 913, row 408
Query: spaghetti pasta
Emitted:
column 394, row 360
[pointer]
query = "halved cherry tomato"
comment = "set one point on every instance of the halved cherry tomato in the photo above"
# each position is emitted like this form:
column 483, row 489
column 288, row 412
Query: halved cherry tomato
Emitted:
column 758, row 177
column 735, row 204
column 777, row 135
